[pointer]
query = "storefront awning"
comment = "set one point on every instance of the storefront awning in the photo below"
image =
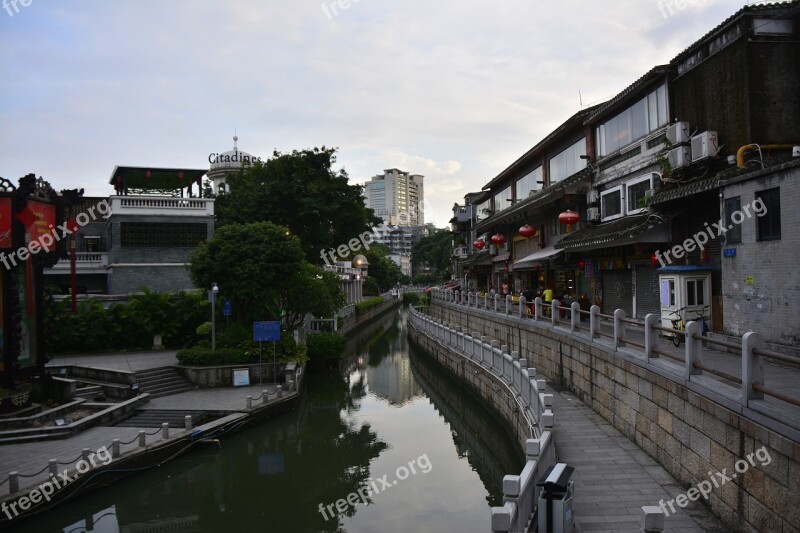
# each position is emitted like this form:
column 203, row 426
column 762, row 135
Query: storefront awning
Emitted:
column 544, row 253
column 627, row 230
column 502, row 257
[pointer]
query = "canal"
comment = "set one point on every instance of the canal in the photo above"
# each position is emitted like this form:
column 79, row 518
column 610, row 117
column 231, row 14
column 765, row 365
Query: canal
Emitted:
column 388, row 420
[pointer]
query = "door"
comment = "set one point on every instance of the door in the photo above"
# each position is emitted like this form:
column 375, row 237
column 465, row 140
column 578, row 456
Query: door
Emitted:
column 617, row 291
column 647, row 300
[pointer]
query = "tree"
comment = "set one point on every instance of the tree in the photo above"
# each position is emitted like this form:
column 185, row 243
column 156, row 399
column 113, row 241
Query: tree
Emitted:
column 261, row 268
column 299, row 190
column 434, row 252
column 383, row 270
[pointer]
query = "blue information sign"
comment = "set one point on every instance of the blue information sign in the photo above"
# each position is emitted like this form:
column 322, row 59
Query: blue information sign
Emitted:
column 227, row 308
column 266, row 331
column 729, row 252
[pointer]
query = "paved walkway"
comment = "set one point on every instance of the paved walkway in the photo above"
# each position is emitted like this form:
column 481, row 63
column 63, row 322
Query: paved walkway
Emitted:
column 29, row 458
column 131, row 362
column 613, row 477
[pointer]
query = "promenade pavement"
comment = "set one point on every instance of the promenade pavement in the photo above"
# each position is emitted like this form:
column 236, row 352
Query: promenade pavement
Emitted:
column 131, row 362
column 31, row 457
column 613, row 477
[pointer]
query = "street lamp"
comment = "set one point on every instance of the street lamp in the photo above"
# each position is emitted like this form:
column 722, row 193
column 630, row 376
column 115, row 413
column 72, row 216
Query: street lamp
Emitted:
column 214, row 291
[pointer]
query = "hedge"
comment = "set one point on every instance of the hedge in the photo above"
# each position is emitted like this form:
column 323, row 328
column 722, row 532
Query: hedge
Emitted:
column 203, row 356
column 368, row 304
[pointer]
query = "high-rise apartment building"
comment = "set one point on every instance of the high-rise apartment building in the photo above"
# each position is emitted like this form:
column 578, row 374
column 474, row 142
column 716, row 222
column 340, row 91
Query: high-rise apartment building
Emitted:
column 397, row 197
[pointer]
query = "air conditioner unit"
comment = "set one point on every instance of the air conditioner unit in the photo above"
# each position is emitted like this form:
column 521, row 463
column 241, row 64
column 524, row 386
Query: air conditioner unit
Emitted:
column 592, row 197
column 678, row 133
column 593, row 214
column 679, row 157
column 492, row 249
column 704, row 145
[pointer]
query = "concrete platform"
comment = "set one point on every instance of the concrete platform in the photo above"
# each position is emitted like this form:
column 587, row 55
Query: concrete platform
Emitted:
column 613, row 477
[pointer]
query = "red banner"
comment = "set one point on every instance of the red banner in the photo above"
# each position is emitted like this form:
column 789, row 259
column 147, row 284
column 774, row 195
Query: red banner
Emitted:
column 5, row 223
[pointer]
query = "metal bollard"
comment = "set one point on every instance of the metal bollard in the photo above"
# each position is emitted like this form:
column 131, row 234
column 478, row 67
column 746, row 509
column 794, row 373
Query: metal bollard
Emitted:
column 249, row 402
column 165, row 430
column 187, row 422
column 142, row 439
column 53, row 467
column 115, row 445
column 264, row 396
column 13, row 482
column 280, row 393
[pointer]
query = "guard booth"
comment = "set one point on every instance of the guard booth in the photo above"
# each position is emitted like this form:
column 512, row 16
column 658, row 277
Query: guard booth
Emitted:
column 685, row 289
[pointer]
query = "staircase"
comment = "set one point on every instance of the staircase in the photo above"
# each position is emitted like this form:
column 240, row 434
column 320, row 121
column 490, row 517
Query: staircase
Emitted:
column 151, row 418
column 162, row 382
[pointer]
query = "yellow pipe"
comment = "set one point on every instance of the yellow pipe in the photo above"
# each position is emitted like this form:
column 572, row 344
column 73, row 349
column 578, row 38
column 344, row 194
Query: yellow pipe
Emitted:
column 766, row 147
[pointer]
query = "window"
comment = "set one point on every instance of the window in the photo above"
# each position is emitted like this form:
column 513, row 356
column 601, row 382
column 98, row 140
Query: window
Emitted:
column 695, row 292
column 528, row 183
column 668, row 292
column 611, row 203
column 482, row 211
column 769, row 224
column 636, row 192
column 568, row 162
column 734, row 233
column 501, row 200
column 136, row 234
column 91, row 243
column 637, row 121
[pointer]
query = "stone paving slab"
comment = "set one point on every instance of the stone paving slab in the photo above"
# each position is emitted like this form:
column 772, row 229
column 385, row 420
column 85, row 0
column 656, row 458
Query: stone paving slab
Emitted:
column 130, row 362
column 28, row 458
column 613, row 477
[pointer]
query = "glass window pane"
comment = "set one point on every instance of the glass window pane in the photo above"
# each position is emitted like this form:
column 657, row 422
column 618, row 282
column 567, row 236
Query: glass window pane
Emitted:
column 652, row 104
column 662, row 105
column 701, row 292
column 734, row 234
column 690, row 292
column 639, row 119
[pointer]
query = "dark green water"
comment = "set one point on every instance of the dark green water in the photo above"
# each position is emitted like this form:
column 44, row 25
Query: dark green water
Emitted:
column 387, row 407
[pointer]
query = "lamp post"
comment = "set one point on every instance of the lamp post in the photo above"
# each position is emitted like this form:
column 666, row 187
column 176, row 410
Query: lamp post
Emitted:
column 214, row 291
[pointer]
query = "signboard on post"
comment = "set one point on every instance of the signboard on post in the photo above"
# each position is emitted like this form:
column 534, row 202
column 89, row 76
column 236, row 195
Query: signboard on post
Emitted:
column 267, row 331
column 241, row 377
column 227, row 308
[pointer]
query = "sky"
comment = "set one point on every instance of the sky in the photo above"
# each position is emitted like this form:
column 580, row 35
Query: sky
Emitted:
column 455, row 91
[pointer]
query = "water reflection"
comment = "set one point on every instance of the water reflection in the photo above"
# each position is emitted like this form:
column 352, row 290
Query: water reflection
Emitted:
column 381, row 410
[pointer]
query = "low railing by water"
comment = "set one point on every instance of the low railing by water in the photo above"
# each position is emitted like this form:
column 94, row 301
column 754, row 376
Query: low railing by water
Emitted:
column 639, row 339
column 520, row 493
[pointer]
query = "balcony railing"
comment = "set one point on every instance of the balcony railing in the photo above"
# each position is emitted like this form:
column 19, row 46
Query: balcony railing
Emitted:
column 160, row 205
column 83, row 261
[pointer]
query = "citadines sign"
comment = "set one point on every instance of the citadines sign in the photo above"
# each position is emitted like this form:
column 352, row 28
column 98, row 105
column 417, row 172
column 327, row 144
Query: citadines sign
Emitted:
column 236, row 157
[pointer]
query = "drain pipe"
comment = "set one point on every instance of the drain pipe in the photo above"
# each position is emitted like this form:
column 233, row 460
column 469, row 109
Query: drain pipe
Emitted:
column 767, row 147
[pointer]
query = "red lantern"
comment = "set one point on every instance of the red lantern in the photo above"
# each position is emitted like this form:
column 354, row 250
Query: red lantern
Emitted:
column 479, row 244
column 569, row 218
column 581, row 264
column 498, row 239
column 654, row 259
column 527, row 231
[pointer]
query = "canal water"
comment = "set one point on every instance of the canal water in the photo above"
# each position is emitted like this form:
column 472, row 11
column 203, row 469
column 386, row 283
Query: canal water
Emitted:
column 388, row 420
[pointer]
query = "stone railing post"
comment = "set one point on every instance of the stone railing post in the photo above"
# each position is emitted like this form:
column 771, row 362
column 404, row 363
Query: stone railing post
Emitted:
column 52, row 464
column 164, row 430
column 694, row 348
column 495, row 302
column 554, row 312
column 486, row 301
column 522, row 304
column 652, row 519
column 13, row 482
column 142, row 439
column 537, row 309
column 619, row 327
column 594, row 320
column 508, row 304
column 483, row 350
column 650, row 336
column 752, row 367
column 575, row 315
column 249, row 402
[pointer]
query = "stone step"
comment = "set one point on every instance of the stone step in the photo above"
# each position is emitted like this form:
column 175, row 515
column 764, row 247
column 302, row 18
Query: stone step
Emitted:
column 154, row 419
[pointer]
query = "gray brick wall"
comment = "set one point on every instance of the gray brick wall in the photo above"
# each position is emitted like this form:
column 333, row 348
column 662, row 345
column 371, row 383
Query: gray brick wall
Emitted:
column 127, row 279
column 118, row 254
column 771, row 304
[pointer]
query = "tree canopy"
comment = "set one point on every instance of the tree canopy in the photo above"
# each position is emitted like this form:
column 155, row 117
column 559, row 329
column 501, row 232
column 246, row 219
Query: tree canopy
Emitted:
column 261, row 268
column 434, row 252
column 301, row 191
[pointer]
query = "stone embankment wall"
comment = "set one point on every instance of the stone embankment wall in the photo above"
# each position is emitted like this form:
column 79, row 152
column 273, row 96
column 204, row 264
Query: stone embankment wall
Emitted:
column 694, row 431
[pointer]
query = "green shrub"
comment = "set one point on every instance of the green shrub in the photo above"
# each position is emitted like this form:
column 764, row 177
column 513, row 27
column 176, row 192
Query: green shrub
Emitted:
column 202, row 356
column 325, row 346
column 368, row 304
column 410, row 298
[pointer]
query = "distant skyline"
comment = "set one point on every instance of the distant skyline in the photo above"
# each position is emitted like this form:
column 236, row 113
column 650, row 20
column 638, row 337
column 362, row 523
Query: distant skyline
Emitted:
column 453, row 93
